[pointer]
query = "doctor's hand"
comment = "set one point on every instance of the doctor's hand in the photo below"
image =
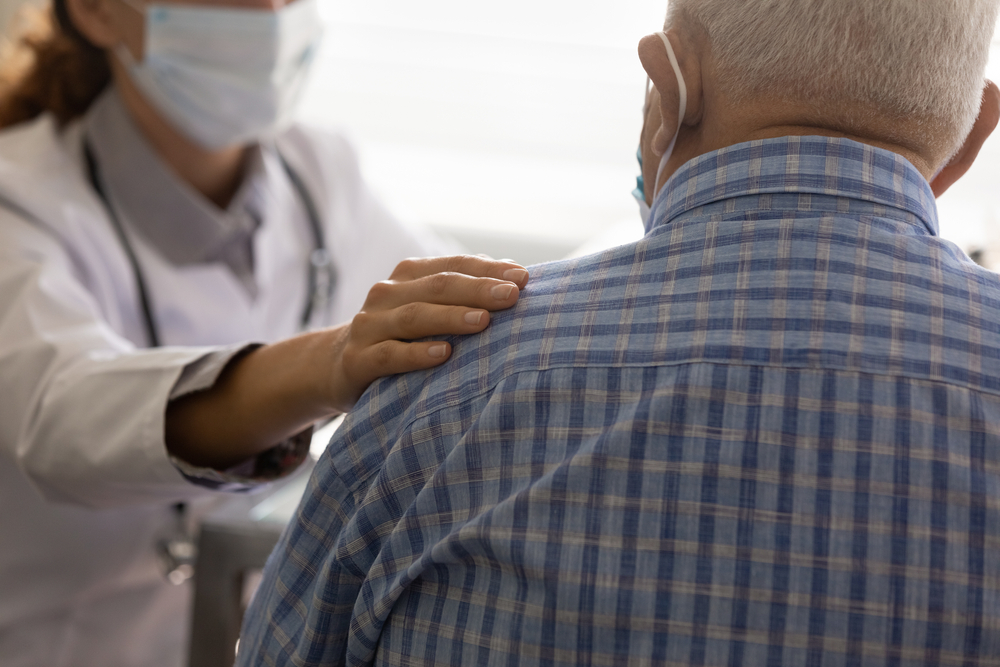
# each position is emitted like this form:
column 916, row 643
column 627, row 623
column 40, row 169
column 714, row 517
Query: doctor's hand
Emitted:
column 422, row 298
column 275, row 391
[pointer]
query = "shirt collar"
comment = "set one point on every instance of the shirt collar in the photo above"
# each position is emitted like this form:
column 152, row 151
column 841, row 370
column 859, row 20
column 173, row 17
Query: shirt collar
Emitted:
column 824, row 166
column 182, row 224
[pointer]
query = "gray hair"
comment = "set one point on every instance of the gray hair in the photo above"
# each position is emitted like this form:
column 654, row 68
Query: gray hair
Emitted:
column 924, row 59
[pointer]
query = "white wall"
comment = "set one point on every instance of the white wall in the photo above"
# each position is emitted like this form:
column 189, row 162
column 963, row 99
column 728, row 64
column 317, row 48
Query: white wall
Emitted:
column 970, row 210
column 511, row 125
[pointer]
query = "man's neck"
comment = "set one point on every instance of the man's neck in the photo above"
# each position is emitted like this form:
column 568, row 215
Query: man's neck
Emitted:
column 215, row 174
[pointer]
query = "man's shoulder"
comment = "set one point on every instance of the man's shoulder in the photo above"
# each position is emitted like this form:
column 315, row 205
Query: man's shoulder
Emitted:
column 564, row 302
column 569, row 310
column 717, row 291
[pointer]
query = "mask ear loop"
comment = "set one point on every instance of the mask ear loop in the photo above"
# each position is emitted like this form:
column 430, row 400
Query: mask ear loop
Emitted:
column 682, row 89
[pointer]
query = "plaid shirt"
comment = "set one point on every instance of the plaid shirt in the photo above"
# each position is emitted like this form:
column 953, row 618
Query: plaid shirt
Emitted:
column 766, row 434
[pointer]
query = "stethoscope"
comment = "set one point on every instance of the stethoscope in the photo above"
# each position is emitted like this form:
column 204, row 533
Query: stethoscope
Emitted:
column 179, row 550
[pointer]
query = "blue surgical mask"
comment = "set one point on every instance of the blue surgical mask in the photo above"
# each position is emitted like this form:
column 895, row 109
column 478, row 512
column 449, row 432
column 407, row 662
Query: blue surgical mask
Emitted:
column 640, row 192
column 225, row 76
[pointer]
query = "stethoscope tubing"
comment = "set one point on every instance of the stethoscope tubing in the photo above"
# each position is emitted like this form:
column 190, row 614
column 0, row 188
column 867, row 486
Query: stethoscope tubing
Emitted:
column 320, row 284
column 319, row 279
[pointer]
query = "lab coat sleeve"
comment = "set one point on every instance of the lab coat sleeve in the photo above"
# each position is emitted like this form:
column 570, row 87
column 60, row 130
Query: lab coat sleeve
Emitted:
column 280, row 461
column 81, row 410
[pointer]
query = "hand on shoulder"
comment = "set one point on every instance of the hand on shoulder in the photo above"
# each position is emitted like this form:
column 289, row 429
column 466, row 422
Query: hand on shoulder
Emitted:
column 422, row 298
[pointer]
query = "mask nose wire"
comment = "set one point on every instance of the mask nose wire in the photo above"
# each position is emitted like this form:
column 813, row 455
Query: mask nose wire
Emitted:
column 682, row 90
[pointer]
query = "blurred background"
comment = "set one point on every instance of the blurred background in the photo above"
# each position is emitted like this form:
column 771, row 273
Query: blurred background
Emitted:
column 513, row 127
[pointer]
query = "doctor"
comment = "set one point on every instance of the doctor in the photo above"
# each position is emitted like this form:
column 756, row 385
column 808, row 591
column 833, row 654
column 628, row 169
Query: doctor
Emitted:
column 165, row 236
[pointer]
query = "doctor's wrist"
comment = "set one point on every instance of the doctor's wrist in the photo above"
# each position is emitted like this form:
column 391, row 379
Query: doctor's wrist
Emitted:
column 261, row 398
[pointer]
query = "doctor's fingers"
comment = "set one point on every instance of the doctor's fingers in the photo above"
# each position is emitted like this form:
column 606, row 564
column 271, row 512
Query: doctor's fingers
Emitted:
column 471, row 265
column 416, row 320
column 392, row 357
column 445, row 289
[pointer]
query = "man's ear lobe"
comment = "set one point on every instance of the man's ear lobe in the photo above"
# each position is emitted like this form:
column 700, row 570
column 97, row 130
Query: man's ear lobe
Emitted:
column 989, row 115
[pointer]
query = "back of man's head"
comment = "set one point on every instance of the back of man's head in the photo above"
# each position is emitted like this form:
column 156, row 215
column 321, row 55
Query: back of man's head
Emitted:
column 921, row 60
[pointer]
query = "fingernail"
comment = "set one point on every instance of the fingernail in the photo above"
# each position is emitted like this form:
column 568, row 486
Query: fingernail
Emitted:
column 437, row 351
column 515, row 275
column 502, row 292
column 474, row 317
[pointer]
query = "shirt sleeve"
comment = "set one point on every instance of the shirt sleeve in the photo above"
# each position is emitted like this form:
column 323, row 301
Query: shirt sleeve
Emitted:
column 82, row 410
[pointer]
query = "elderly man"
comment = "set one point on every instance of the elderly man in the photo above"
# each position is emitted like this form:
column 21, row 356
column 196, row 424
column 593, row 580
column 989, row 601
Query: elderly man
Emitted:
column 766, row 434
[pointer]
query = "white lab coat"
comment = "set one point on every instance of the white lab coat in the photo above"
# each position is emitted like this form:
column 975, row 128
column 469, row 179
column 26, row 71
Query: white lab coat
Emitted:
column 85, row 482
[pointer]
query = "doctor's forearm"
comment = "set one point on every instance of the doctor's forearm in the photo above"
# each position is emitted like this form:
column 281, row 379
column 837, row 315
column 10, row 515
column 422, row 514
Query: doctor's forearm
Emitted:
column 277, row 390
column 261, row 399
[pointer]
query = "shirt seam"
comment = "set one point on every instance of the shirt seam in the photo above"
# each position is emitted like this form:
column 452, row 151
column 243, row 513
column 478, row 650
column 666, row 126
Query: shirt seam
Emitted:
column 492, row 387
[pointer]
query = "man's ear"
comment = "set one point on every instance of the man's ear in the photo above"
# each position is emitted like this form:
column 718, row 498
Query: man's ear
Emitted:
column 655, row 61
column 97, row 21
column 989, row 115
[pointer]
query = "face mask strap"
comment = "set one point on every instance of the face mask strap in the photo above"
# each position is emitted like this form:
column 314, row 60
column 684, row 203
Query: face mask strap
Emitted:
column 682, row 90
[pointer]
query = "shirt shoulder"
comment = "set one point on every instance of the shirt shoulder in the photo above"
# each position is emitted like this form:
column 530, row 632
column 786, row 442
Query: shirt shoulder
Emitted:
column 565, row 306
column 884, row 299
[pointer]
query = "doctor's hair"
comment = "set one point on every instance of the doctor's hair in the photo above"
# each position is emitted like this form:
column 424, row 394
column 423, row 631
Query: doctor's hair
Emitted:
column 923, row 60
column 46, row 66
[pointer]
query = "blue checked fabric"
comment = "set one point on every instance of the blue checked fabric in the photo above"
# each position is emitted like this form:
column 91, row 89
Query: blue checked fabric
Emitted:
column 766, row 434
